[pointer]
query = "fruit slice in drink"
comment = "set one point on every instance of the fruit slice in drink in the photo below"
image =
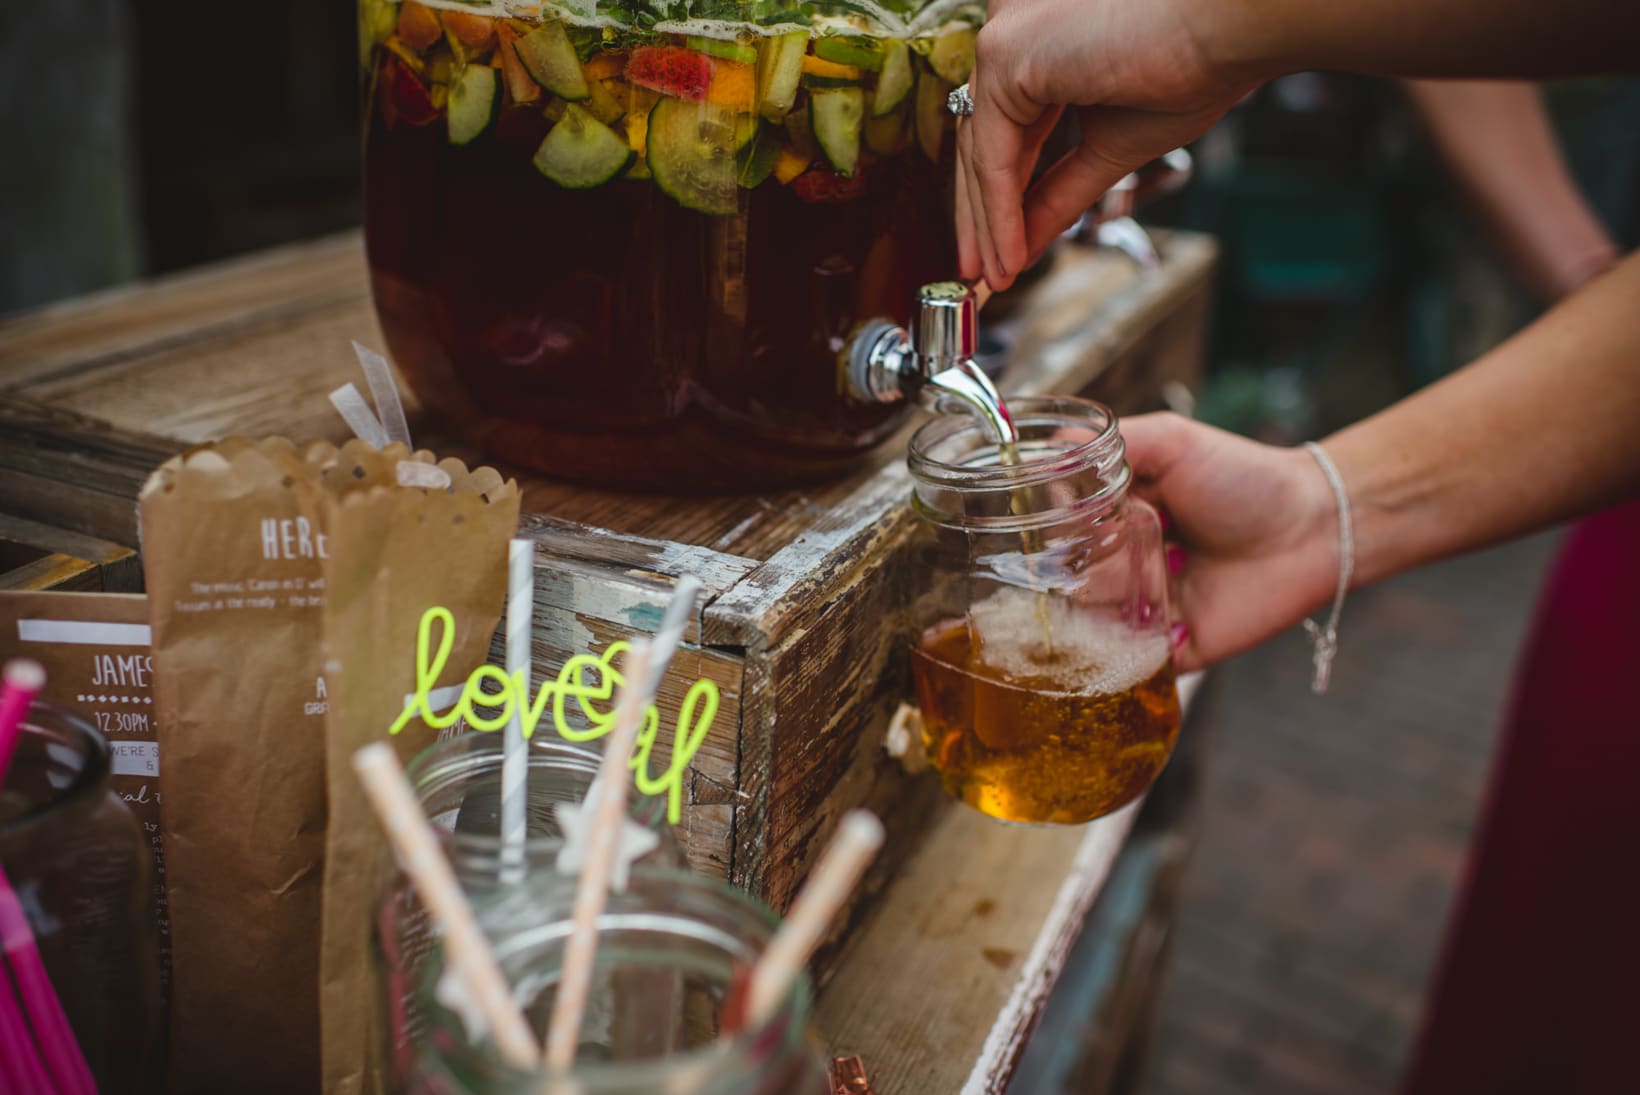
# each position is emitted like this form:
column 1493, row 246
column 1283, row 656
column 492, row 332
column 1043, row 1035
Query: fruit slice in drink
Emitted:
column 692, row 153
column 581, row 152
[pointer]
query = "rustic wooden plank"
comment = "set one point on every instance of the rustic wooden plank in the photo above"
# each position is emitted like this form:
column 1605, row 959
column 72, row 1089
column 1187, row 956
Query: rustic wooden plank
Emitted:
column 116, row 569
column 988, row 913
column 85, row 333
column 55, row 571
column 74, row 472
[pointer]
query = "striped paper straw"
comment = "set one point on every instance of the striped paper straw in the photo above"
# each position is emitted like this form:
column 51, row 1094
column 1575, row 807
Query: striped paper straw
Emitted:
column 515, row 761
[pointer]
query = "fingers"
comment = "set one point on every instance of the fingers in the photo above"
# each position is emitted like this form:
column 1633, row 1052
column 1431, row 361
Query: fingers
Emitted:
column 1156, row 442
column 968, row 262
column 996, row 143
column 976, row 205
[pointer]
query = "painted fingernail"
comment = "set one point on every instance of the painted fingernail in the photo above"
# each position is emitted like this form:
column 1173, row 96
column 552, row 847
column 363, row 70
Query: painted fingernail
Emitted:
column 1178, row 636
column 1167, row 522
column 1176, row 558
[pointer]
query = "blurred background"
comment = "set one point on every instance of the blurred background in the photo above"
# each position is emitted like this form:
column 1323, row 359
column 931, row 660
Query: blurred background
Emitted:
column 144, row 136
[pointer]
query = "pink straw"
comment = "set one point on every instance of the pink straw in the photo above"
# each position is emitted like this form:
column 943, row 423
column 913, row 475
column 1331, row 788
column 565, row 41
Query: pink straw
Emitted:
column 20, row 682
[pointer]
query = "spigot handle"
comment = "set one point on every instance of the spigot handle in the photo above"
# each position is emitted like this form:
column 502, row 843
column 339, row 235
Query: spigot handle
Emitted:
column 944, row 330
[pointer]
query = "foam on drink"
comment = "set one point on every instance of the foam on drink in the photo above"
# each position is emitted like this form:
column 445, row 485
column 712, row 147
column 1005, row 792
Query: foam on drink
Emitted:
column 1087, row 654
column 1029, row 730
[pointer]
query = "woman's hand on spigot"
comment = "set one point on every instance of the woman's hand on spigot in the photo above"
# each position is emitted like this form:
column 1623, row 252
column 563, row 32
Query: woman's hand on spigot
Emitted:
column 1141, row 80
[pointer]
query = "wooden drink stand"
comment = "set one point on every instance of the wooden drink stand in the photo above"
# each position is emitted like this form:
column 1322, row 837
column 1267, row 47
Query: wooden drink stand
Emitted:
column 965, row 924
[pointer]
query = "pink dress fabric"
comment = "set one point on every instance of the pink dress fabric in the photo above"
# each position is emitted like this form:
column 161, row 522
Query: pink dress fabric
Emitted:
column 1538, row 986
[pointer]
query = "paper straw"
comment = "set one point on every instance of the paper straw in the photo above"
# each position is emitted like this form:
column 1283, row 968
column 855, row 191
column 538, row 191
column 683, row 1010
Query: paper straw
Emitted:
column 467, row 953
column 20, row 1067
column 350, row 404
column 385, row 391
column 644, row 670
column 515, row 761
column 592, row 891
column 858, row 837
column 45, row 1012
column 673, row 624
column 20, row 681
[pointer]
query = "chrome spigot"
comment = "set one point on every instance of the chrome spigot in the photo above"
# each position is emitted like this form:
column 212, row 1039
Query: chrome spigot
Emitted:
column 934, row 361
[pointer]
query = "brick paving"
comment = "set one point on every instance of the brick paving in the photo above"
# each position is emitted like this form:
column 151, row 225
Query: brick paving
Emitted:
column 1333, row 832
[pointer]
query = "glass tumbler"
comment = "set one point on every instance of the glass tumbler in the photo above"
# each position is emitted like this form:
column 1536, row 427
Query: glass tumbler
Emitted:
column 669, row 951
column 458, row 783
column 1042, row 663
column 80, row 994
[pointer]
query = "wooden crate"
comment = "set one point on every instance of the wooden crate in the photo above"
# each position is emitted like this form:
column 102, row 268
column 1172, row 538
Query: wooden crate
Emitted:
column 39, row 557
column 801, row 626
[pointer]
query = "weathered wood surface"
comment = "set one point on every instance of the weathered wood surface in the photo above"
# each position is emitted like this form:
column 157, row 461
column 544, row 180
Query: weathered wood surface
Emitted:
column 803, row 624
column 942, row 986
column 39, row 557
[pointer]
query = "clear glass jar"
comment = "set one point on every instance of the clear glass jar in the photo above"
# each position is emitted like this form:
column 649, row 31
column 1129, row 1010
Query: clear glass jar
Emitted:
column 1042, row 663
column 458, row 783
column 669, row 950
column 656, row 297
column 79, row 871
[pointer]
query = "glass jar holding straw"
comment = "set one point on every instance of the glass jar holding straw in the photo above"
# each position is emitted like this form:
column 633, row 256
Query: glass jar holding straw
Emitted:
column 708, row 998
column 80, row 1005
column 496, row 801
column 457, row 783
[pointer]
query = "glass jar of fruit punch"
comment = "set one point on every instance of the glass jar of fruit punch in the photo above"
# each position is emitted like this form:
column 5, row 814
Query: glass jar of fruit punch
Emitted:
column 1042, row 664
column 625, row 241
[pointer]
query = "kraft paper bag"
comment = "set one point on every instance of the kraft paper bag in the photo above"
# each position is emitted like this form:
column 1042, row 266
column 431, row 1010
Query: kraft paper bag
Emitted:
column 394, row 553
column 237, row 555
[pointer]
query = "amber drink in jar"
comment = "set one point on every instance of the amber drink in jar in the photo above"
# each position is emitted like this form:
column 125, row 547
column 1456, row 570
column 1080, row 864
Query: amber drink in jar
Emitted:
column 1042, row 664
column 626, row 242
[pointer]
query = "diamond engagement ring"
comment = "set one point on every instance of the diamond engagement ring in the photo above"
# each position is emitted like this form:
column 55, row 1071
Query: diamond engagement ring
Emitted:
column 960, row 102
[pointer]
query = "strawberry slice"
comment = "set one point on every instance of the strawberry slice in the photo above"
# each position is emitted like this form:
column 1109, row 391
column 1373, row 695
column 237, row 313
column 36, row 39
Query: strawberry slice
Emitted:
column 418, row 26
column 411, row 100
column 821, row 185
column 671, row 70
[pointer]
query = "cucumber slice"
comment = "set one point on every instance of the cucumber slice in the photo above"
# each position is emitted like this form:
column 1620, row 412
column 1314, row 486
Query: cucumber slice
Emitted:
column 757, row 158
column 581, row 152
column 931, row 114
column 692, row 153
column 850, row 50
column 726, row 48
column 952, row 55
column 779, row 67
column 474, row 98
column 836, row 115
column 550, row 60
column 894, row 84
column 886, row 135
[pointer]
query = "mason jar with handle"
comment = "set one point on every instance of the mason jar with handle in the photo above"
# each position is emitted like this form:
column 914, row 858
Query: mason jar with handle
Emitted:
column 1041, row 658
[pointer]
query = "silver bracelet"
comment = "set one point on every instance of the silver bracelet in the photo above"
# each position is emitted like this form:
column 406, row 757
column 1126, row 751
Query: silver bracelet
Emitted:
column 1326, row 639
